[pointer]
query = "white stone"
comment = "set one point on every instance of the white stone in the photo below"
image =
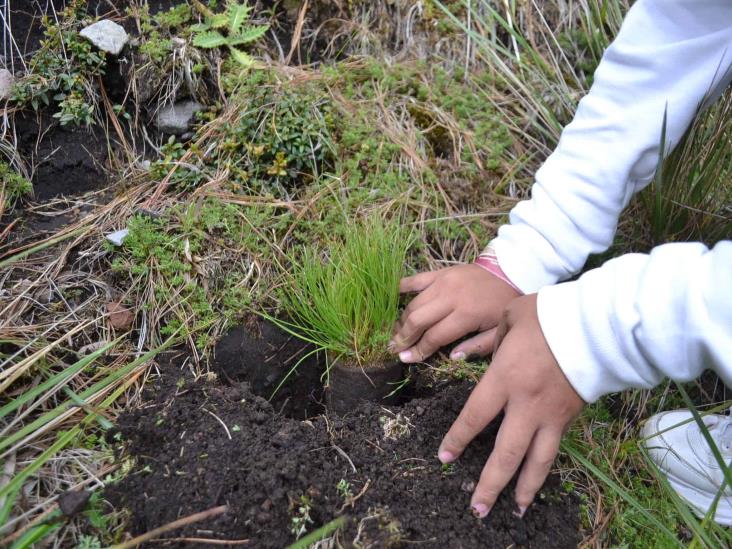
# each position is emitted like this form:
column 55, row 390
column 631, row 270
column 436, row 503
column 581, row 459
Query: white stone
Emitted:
column 176, row 119
column 6, row 84
column 106, row 35
column 118, row 237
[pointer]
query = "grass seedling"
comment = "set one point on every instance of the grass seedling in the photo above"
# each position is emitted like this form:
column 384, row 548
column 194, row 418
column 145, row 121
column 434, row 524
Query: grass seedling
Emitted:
column 344, row 298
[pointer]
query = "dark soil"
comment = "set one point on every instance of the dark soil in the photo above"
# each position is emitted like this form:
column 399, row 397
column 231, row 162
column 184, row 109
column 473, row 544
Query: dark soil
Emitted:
column 66, row 160
column 186, row 463
column 262, row 356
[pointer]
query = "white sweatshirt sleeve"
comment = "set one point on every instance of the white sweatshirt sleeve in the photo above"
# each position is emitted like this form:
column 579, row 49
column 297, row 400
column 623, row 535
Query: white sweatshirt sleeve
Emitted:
column 668, row 56
column 640, row 318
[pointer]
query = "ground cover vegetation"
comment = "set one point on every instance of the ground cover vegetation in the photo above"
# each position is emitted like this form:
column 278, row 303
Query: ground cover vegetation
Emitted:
column 434, row 114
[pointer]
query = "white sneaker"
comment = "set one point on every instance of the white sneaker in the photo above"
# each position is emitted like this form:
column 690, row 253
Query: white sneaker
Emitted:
column 683, row 455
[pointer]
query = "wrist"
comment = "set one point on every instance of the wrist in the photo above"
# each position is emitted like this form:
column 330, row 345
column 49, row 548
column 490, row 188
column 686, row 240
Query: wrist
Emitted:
column 488, row 261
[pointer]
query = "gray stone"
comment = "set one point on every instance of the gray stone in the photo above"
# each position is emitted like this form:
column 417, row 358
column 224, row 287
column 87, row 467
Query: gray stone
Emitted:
column 6, row 84
column 106, row 35
column 176, row 119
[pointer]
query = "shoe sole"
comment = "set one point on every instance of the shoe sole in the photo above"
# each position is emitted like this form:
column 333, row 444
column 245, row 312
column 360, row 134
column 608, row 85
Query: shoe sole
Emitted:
column 700, row 502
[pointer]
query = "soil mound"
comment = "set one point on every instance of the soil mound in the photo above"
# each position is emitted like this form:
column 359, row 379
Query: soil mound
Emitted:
column 376, row 466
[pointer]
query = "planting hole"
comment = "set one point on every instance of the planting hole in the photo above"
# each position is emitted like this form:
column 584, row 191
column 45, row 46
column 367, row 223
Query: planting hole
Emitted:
column 261, row 354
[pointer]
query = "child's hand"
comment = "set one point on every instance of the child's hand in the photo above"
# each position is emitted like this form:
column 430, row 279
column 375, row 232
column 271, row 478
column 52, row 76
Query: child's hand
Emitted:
column 452, row 303
column 525, row 381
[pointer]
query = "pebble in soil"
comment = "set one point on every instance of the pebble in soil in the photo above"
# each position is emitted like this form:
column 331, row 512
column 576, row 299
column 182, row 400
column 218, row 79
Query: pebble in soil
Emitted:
column 186, row 463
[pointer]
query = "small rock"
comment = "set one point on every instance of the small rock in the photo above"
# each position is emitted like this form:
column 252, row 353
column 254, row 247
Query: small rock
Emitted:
column 176, row 119
column 73, row 501
column 6, row 84
column 468, row 486
column 106, row 35
column 118, row 237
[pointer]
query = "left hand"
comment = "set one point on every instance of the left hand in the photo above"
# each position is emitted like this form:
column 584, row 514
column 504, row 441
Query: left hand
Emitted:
column 526, row 382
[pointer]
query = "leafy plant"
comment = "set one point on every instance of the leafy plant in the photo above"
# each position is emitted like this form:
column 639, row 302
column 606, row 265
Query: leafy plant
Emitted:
column 229, row 29
column 344, row 489
column 63, row 70
column 301, row 518
column 169, row 255
column 343, row 297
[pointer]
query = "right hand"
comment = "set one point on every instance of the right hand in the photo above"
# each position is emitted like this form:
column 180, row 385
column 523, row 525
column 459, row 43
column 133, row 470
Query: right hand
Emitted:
column 452, row 303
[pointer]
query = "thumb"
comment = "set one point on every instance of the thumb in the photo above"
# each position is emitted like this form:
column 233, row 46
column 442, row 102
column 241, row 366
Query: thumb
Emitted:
column 477, row 346
column 418, row 282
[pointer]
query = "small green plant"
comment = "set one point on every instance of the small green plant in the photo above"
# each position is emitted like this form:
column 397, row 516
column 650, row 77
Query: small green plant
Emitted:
column 13, row 186
column 229, row 29
column 301, row 517
column 89, row 542
column 344, row 297
column 158, row 29
column 448, row 469
column 344, row 489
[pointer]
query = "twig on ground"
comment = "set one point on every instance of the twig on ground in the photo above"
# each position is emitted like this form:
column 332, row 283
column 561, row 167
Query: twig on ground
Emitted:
column 217, row 418
column 209, row 541
column 345, row 456
column 180, row 523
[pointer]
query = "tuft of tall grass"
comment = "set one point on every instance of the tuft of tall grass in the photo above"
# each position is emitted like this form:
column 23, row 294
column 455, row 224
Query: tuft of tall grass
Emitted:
column 543, row 55
column 343, row 297
column 690, row 198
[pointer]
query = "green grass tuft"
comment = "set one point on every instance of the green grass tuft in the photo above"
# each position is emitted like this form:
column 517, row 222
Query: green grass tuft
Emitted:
column 346, row 304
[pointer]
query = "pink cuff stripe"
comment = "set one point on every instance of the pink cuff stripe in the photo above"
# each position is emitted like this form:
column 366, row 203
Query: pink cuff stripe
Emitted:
column 489, row 262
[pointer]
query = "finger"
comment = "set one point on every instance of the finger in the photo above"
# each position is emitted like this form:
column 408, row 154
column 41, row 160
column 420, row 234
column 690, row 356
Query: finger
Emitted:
column 512, row 442
column 418, row 322
column 418, row 282
column 419, row 301
column 501, row 331
column 446, row 331
column 538, row 463
column 478, row 345
column 484, row 403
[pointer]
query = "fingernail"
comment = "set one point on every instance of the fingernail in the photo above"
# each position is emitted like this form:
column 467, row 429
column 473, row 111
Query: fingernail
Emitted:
column 457, row 356
column 445, row 457
column 405, row 356
column 522, row 511
column 480, row 510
